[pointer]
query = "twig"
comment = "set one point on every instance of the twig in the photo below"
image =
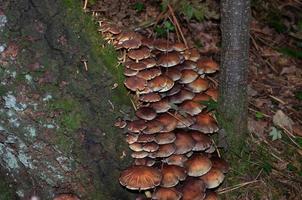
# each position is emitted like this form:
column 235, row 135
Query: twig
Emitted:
column 277, row 99
column 265, row 115
column 235, row 187
column 177, row 25
column 85, row 4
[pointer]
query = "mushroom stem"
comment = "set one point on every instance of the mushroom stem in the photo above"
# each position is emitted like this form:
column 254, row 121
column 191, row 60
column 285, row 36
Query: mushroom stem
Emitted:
column 148, row 194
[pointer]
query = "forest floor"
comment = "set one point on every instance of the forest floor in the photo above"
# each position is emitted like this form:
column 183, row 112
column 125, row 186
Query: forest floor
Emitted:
column 271, row 167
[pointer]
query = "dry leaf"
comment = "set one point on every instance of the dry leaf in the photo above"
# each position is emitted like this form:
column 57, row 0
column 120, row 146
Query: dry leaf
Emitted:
column 282, row 120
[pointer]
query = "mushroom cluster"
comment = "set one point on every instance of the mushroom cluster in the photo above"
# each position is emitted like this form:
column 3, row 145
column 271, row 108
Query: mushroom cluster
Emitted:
column 174, row 155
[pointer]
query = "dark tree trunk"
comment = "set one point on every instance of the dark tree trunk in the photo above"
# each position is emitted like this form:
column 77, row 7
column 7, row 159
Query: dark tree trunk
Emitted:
column 56, row 117
column 235, row 15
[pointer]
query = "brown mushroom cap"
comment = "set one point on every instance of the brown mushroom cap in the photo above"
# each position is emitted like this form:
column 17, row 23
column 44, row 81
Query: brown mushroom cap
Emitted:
column 191, row 107
column 139, row 154
column 213, row 178
column 131, row 138
column 213, row 93
column 151, row 97
column 168, row 85
column 184, row 121
column 202, row 141
column 136, row 147
column 199, row 85
column 135, row 66
column 165, row 138
column 161, row 106
column 188, row 76
column 198, row 165
column 146, row 113
column 169, row 122
column 220, row 164
column 193, row 189
column 162, row 45
column 187, row 64
column 119, row 123
column 130, row 72
column 158, row 83
column 144, row 161
column 174, row 90
column 136, row 126
column 169, row 60
column 66, row 197
column 181, row 96
column 149, row 62
column 139, row 54
column 205, row 123
column 153, row 126
column 124, row 36
column 134, row 83
column 164, row 150
column 171, row 175
column 140, row 177
column 179, row 46
column 149, row 74
column 148, row 42
column 150, row 147
column 200, row 97
column 183, row 143
column 166, row 194
column 132, row 43
column 207, row 66
column 173, row 73
column 143, row 138
column 192, row 54
column 175, row 159
column 211, row 195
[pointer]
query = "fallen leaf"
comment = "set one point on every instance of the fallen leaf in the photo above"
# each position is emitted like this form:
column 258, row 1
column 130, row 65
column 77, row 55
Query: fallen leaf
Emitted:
column 282, row 120
column 275, row 134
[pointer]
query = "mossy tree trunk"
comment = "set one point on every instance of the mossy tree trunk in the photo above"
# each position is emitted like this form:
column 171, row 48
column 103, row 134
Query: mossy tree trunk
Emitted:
column 235, row 20
column 56, row 117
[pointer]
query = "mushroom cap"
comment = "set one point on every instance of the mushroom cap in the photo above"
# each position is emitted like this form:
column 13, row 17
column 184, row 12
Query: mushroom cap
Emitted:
column 131, row 138
column 184, row 121
column 144, row 161
column 151, row 97
column 149, row 62
column 120, row 123
column 191, row 107
column 187, row 64
column 130, row 72
column 139, row 54
column 162, row 193
column 192, row 54
column 207, row 66
column 169, row 122
column 139, row 154
column 199, row 85
column 220, row 164
column 136, row 147
column 213, row 93
column 113, row 29
column 211, row 195
column 143, row 138
column 198, row 165
column 124, row 36
column 148, row 42
column 136, row 126
column 175, row 159
column 164, row 150
column 66, row 197
column 135, row 83
column 213, row 178
column 165, row 138
column 132, row 43
column 193, row 189
column 200, row 97
column 149, row 74
column 183, row 143
column 202, row 141
column 139, row 177
column 173, row 73
column 158, row 83
column 153, row 126
column 174, row 90
column 205, row 123
column 161, row 106
column 171, row 175
column 169, row 60
column 179, row 46
column 146, row 113
column 150, row 147
column 168, row 85
column 162, row 45
column 188, row 76
column 135, row 66
column 181, row 96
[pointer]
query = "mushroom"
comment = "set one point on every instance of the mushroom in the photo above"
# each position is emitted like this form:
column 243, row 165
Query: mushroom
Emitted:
column 199, row 85
column 148, row 42
column 200, row 97
column 187, row 64
column 144, row 161
column 168, row 85
column 191, row 107
column 165, row 138
column 181, row 96
column 169, row 60
column 171, row 175
column 175, row 159
column 198, row 165
column 158, row 83
column 131, row 138
column 139, row 154
column 164, row 150
column 161, row 106
column 135, row 66
column 174, row 90
column 169, row 122
column 179, row 46
column 130, row 72
column 184, row 121
column 192, row 54
column 124, row 36
column 132, row 43
column 220, row 164
column 205, row 123
column 143, row 138
column 134, row 83
column 211, row 195
column 139, row 54
column 149, row 74
column 153, row 126
column 183, row 143
column 162, row 45
column 202, row 141
column 188, row 76
column 193, row 189
column 140, row 177
column 207, row 66
column 173, row 73
column 213, row 93
column 146, row 113
column 162, row 193
column 149, row 62
column 136, row 126
column 136, row 147
column 151, row 97
column 150, row 147
column 213, row 178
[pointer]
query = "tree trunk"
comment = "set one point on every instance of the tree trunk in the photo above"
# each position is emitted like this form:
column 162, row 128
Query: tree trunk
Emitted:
column 235, row 15
column 56, row 115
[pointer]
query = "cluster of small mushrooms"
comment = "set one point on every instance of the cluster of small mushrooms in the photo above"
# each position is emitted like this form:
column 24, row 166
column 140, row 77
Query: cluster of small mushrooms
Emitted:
column 174, row 156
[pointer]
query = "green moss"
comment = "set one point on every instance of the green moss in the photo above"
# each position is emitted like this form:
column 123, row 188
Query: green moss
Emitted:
column 3, row 90
column 6, row 192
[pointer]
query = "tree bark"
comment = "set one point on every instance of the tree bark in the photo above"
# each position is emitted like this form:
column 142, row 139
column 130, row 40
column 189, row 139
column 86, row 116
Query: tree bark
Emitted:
column 235, row 20
column 56, row 116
